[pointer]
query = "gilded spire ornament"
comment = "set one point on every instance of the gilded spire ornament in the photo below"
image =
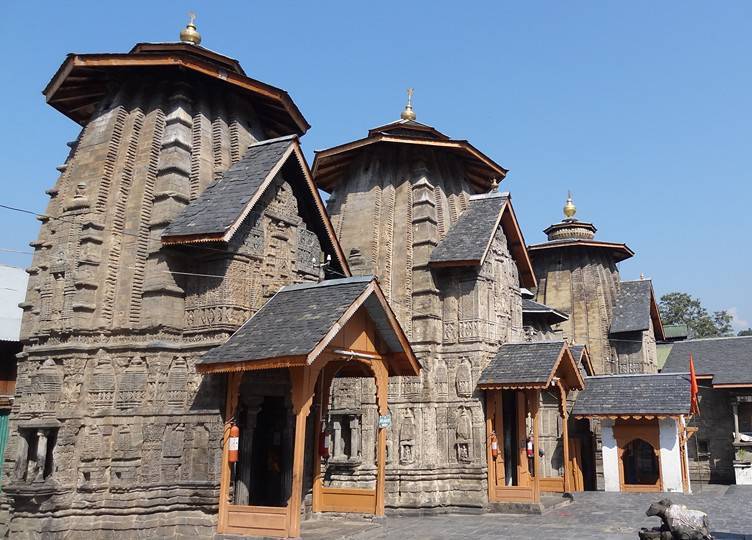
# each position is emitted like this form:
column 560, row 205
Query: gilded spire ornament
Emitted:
column 190, row 34
column 569, row 208
column 408, row 113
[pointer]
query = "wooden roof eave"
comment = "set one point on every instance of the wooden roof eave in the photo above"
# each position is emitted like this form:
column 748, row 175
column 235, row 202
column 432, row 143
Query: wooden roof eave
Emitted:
column 252, row 365
column 175, row 59
column 512, row 386
column 632, row 416
column 655, row 316
column 579, row 383
column 585, row 356
column 464, row 147
column 622, row 251
column 517, row 245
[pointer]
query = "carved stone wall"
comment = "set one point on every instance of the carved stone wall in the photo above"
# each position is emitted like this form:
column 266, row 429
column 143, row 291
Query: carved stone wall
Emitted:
column 392, row 208
column 109, row 411
column 582, row 282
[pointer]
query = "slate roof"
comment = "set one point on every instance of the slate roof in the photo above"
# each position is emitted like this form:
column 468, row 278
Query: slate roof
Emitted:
column 296, row 319
column 531, row 308
column 727, row 359
column 468, row 238
column 522, row 363
column 654, row 394
column 223, row 202
column 632, row 308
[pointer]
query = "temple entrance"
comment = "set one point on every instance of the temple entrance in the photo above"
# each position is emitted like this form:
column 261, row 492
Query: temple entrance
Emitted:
column 277, row 415
column 640, row 463
column 510, row 416
column 270, row 457
column 638, row 454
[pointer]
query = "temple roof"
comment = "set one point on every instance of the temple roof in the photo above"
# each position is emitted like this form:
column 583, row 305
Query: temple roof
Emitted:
column 619, row 252
column 634, row 395
column 582, row 359
column 294, row 326
column 84, row 79
column 531, row 365
column 468, row 241
column 727, row 359
column 219, row 211
column 532, row 308
column 330, row 165
column 635, row 307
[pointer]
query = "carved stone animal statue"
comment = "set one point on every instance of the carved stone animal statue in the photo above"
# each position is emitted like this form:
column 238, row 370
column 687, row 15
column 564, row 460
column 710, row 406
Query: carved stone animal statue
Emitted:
column 679, row 523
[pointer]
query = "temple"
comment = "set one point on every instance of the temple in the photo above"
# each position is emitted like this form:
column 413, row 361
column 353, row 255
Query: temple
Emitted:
column 210, row 349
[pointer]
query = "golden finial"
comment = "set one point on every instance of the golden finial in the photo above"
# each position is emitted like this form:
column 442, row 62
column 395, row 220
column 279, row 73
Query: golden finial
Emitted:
column 189, row 34
column 569, row 208
column 408, row 113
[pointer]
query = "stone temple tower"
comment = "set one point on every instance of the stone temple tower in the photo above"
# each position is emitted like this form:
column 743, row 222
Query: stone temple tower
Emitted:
column 419, row 210
column 109, row 411
column 578, row 275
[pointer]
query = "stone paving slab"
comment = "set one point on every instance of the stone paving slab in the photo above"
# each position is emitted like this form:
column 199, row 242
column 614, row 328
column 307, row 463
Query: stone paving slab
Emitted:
column 593, row 515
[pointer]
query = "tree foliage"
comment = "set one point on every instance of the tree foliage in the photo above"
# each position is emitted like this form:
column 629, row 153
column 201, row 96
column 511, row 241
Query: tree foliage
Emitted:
column 747, row 332
column 682, row 308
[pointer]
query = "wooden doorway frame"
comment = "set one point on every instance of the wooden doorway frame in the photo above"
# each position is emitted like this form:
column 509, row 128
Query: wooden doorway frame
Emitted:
column 284, row 521
column 527, row 488
column 625, row 432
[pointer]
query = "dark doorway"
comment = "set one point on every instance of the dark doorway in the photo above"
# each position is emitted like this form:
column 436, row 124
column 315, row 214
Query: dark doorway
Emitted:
column 511, row 450
column 270, row 455
column 640, row 463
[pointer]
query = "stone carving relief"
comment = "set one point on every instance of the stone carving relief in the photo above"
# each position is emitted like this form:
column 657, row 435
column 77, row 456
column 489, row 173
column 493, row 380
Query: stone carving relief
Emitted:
column 102, row 387
column 177, row 383
column 464, row 436
column 308, row 252
column 441, row 381
column 464, row 379
column 132, row 385
column 407, row 436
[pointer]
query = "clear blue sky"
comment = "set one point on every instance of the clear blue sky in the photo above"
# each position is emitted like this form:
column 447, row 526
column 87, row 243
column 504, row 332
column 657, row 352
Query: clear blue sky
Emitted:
column 641, row 108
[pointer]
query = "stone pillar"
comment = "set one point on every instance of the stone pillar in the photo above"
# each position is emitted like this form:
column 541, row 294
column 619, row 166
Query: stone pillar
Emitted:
column 670, row 455
column 735, row 410
column 610, row 456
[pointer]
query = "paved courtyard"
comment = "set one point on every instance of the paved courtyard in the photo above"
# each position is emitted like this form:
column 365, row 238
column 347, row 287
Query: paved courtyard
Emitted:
column 593, row 515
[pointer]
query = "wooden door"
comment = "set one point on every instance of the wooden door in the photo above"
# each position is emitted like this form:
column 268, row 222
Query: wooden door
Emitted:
column 574, row 469
column 524, row 488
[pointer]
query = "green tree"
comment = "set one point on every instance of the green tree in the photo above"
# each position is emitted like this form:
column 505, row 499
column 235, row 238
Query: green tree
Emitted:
column 747, row 332
column 682, row 308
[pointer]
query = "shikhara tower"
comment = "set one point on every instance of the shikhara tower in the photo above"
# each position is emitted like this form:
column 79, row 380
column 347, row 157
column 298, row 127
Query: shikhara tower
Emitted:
column 109, row 410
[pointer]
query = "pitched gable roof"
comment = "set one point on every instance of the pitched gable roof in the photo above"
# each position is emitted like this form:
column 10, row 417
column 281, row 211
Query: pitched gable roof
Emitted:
column 218, row 212
column 468, row 241
column 634, row 395
column 728, row 359
column 635, row 307
column 530, row 365
column 299, row 321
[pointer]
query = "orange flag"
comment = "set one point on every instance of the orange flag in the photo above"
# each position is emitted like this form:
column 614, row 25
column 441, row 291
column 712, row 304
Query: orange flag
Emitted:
column 694, row 389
